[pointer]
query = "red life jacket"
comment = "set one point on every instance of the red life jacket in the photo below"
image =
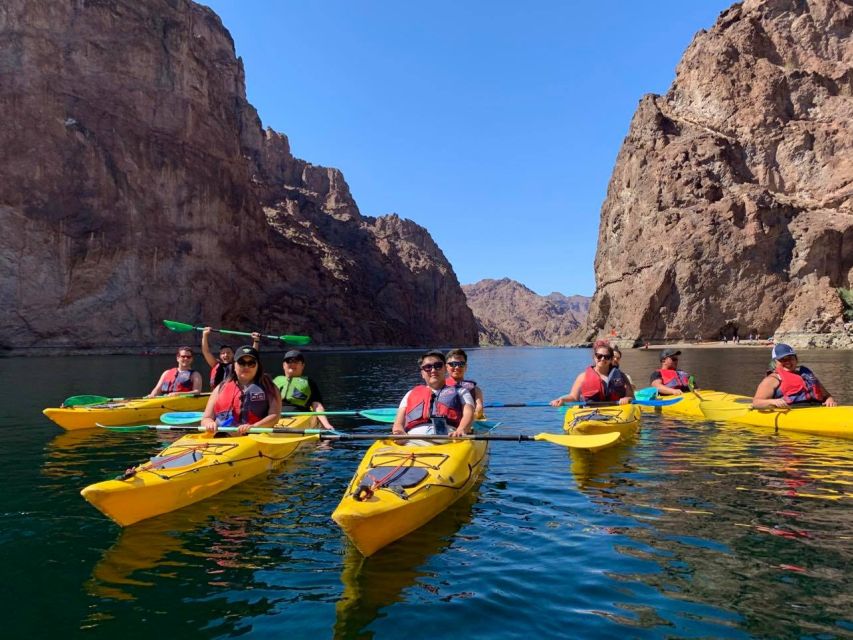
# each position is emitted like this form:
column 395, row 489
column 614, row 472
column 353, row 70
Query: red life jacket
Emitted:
column 799, row 386
column 675, row 379
column 468, row 385
column 235, row 406
column 219, row 372
column 177, row 381
column 422, row 405
column 593, row 388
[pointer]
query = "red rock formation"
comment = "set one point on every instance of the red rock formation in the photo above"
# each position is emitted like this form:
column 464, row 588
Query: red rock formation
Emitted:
column 136, row 184
column 508, row 313
column 731, row 202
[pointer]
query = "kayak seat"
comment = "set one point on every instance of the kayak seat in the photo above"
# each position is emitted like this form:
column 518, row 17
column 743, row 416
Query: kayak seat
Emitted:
column 190, row 457
column 400, row 477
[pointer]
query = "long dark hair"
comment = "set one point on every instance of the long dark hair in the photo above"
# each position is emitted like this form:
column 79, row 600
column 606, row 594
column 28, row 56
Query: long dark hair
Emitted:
column 261, row 379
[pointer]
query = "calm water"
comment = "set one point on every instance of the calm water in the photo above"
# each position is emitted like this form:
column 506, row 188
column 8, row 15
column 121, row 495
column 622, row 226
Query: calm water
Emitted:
column 693, row 530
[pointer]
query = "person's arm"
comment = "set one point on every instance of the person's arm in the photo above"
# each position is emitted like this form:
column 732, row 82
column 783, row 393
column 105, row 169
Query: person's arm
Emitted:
column 256, row 340
column 208, row 421
column 205, row 348
column 156, row 390
column 657, row 382
column 830, row 401
column 629, row 393
column 479, row 402
column 400, row 419
column 465, row 423
column 763, row 397
column 197, row 382
column 318, row 406
column 572, row 396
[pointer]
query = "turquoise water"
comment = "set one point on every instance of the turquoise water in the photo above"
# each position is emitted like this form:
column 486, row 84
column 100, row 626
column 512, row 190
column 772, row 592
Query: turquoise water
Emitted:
column 693, row 530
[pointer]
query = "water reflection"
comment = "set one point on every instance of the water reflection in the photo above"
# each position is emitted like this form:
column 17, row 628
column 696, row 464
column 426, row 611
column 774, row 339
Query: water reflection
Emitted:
column 373, row 584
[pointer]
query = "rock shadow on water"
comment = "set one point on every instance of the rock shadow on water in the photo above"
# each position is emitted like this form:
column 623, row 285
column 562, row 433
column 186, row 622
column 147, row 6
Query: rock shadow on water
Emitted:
column 372, row 584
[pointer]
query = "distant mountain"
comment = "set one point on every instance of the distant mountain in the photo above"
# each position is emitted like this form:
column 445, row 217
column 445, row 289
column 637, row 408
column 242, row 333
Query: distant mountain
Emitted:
column 508, row 313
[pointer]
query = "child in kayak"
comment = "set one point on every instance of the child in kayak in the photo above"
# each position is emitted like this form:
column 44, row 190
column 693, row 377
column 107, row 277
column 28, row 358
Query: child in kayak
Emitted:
column 789, row 384
column 457, row 366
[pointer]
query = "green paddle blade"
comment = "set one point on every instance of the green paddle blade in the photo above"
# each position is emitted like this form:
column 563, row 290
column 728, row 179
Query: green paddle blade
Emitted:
column 181, row 417
column 79, row 401
column 124, row 428
column 297, row 340
column 178, row 326
column 385, row 414
column 591, row 442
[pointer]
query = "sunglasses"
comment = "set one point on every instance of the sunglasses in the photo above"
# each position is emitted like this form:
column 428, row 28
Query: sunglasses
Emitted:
column 457, row 363
column 293, row 360
column 603, row 356
column 182, row 356
column 433, row 366
column 247, row 363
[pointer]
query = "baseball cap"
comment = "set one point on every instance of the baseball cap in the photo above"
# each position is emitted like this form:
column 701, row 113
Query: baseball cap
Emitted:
column 781, row 350
column 294, row 353
column 668, row 353
column 247, row 351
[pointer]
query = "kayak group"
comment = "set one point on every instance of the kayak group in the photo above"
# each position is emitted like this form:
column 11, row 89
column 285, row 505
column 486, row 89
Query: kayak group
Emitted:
column 433, row 455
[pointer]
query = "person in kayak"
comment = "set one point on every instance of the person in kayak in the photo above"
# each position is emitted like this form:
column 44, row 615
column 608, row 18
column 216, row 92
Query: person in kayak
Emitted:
column 298, row 392
column 246, row 398
column 457, row 366
column 789, row 384
column 222, row 366
column 602, row 382
column 435, row 407
column 669, row 380
column 617, row 360
column 180, row 379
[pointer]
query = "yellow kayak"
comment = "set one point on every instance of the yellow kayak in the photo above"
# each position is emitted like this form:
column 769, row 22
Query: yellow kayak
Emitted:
column 688, row 407
column 191, row 469
column 398, row 488
column 113, row 414
column 623, row 419
column 816, row 420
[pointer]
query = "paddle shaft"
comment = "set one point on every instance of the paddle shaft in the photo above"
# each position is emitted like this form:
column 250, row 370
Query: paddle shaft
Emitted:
column 182, row 326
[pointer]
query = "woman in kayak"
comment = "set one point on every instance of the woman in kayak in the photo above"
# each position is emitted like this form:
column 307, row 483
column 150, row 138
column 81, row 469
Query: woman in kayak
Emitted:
column 457, row 366
column 180, row 379
column 602, row 382
column 247, row 398
column 789, row 384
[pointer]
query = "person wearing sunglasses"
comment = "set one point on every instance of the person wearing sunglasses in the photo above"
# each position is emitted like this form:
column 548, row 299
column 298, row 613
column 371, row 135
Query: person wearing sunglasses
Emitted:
column 435, row 407
column 790, row 383
column 601, row 382
column 180, row 379
column 246, row 398
column 617, row 361
column 298, row 392
column 669, row 380
column 457, row 366
column 221, row 366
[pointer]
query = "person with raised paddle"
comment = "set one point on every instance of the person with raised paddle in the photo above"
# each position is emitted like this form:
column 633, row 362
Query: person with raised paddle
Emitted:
column 457, row 366
column 790, row 384
column 669, row 380
column 299, row 392
column 221, row 366
column 246, row 398
column 180, row 379
column 601, row 382
column 434, row 407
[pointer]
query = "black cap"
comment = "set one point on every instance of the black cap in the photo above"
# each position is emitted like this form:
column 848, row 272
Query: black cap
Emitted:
column 668, row 353
column 247, row 351
column 433, row 353
column 294, row 353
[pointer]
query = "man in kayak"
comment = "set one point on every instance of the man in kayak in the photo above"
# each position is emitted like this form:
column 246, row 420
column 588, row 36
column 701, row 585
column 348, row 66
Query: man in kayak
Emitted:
column 789, row 384
column 617, row 361
column 602, row 382
column 180, row 379
column 457, row 366
column 435, row 407
column 298, row 392
column 246, row 398
column 221, row 367
column 669, row 380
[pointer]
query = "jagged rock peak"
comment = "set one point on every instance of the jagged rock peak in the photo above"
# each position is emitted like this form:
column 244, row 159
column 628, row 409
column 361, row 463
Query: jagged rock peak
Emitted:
column 731, row 201
column 508, row 313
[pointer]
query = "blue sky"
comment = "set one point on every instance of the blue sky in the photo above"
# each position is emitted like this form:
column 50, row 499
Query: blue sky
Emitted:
column 493, row 124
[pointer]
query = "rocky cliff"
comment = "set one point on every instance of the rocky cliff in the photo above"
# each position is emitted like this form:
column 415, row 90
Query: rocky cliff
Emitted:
column 508, row 313
column 137, row 183
column 731, row 202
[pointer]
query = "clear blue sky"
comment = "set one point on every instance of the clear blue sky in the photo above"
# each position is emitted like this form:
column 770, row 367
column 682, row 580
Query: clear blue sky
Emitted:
column 494, row 124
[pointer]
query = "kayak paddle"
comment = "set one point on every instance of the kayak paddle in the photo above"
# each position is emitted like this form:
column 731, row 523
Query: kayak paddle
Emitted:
column 182, row 326
column 377, row 415
column 80, row 401
column 597, row 441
